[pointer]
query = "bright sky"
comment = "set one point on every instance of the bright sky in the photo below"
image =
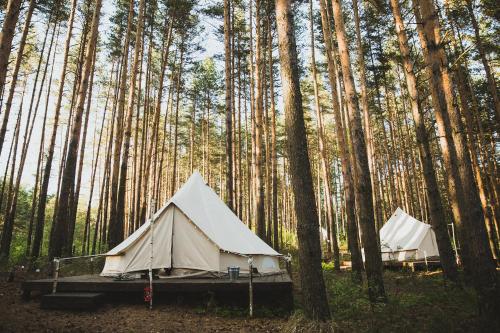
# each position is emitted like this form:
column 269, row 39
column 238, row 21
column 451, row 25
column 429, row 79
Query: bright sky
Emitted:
column 208, row 41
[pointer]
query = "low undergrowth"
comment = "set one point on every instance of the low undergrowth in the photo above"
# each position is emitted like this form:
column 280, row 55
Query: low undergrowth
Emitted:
column 417, row 302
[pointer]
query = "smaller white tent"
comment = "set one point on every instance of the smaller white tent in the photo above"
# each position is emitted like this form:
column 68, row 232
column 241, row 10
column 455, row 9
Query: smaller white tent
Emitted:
column 194, row 232
column 405, row 238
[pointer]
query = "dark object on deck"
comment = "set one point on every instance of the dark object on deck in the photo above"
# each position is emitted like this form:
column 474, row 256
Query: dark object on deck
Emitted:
column 269, row 290
column 233, row 272
column 72, row 301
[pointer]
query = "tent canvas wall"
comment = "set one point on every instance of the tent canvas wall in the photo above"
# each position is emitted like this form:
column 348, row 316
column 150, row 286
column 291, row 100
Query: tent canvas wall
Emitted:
column 405, row 238
column 194, row 232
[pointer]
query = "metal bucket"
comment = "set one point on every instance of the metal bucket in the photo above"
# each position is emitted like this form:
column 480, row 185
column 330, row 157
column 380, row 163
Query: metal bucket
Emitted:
column 233, row 272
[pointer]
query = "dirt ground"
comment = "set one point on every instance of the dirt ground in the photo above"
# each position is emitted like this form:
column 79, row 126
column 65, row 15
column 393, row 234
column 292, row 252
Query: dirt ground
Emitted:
column 418, row 302
column 17, row 315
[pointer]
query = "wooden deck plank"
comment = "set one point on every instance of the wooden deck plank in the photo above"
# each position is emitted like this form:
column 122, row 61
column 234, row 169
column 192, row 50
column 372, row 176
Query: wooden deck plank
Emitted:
column 72, row 301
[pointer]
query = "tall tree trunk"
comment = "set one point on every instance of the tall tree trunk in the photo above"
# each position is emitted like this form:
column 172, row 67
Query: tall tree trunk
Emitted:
column 468, row 213
column 311, row 276
column 60, row 246
column 325, row 170
column 366, row 109
column 15, row 72
column 156, row 121
column 115, row 229
column 436, row 210
column 93, row 176
column 75, row 196
column 362, row 181
column 32, row 114
column 252, row 185
column 490, row 76
column 273, row 155
column 352, row 230
column 259, row 214
column 15, row 142
column 176, row 121
column 42, row 200
column 11, row 16
column 40, row 159
column 228, row 106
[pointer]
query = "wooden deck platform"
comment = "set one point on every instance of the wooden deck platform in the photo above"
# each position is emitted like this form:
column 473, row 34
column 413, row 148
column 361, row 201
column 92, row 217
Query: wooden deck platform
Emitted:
column 269, row 289
column 419, row 265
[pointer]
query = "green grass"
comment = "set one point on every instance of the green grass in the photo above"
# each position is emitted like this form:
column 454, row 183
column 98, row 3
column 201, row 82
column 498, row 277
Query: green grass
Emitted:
column 418, row 302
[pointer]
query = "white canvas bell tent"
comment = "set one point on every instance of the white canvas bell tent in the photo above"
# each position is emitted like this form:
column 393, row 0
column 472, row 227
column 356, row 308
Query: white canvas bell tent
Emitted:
column 405, row 238
column 194, row 232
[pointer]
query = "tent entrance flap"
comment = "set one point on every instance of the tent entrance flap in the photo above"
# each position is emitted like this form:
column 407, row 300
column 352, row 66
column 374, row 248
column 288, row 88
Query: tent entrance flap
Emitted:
column 136, row 256
column 191, row 249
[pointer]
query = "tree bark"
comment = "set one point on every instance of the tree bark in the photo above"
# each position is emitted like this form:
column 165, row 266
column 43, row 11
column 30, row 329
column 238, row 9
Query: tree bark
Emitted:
column 228, row 106
column 436, row 209
column 313, row 287
column 116, row 234
column 30, row 122
column 366, row 110
column 6, row 36
column 113, row 237
column 490, row 76
column 468, row 213
column 15, row 72
column 60, row 246
column 352, row 229
column 362, row 179
column 259, row 214
column 325, row 170
column 42, row 200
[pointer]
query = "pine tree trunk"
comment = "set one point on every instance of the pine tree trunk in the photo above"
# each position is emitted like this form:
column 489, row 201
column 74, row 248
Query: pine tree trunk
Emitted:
column 42, row 200
column 259, row 214
column 60, row 246
column 311, row 277
column 15, row 142
column 15, row 72
column 11, row 15
column 40, row 159
column 12, row 208
column 86, row 232
column 325, row 170
column 176, row 122
column 115, row 229
column 352, row 230
column 228, row 106
column 274, row 159
column 436, row 209
column 476, row 254
column 366, row 110
column 362, row 179
column 490, row 76
column 156, row 122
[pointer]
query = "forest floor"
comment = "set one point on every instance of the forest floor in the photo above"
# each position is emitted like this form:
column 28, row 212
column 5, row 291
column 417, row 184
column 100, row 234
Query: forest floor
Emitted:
column 418, row 302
